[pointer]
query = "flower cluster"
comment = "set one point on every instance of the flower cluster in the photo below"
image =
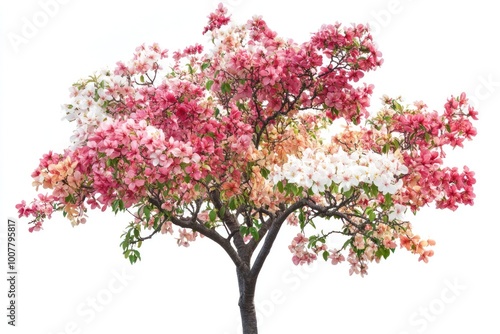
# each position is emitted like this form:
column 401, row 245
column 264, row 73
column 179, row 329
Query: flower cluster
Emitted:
column 416, row 245
column 41, row 208
column 424, row 135
column 217, row 19
column 299, row 250
column 317, row 171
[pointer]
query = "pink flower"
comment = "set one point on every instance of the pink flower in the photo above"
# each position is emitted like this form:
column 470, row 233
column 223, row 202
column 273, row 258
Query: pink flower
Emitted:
column 300, row 254
column 217, row 19
column 185, row 237
column 37, row 227
column 203, row 216
column 22, row 209
column 336, row 257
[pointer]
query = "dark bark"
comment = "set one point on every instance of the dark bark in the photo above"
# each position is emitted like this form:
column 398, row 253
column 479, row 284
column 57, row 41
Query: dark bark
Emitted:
column 247, row 275
column 246, row 286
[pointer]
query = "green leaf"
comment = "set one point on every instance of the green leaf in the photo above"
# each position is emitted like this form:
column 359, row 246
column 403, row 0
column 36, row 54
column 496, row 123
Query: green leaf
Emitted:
column 427, row 137
column 212, row 215
column 366, row 188
column 302, row 219
column 291, row 188
column 141, row 78
column 346, row 243
column 209, row 84
column 383, row 252
column 225, row 87
column 232, row 203
column 204, row 66
column 396, row 143
column 137, row 254
column 255, row 233
column 312, row 223
column 243, row 230
column 241, row 106
column 70, row 199
column 312, row 241
column 396, row 106
column 348, row 193
column 156, row 221
column 147, row 212
column 125, row 244
column 385, row 148
column 326, row 255
column 280, row 187
column 298, row 191
column 117, row 205
column 114, row 206
column 370, row 214
column 388, row 199
column 264, row 172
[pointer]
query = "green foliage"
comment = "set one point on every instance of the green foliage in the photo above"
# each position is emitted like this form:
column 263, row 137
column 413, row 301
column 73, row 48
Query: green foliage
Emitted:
column 225, row 87
column 130, row 240
column 117, row 205
column 209, row 84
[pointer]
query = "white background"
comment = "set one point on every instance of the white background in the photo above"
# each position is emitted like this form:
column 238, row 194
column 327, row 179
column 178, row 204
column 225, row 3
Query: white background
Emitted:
column 431, row 51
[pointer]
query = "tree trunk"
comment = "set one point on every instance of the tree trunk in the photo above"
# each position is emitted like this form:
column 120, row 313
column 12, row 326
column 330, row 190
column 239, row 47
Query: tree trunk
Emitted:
column 246, row 303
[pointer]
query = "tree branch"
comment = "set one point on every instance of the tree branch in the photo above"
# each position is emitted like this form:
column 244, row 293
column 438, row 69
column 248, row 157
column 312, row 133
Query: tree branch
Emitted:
column 230, row 220
column 200, row 228
column 271, row 236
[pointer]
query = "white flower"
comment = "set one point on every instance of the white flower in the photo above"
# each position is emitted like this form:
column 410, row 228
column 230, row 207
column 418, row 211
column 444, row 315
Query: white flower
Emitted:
column 385, row 184
column 316, row 170
column 155, row 133
column 347, row 180
column 398, row 212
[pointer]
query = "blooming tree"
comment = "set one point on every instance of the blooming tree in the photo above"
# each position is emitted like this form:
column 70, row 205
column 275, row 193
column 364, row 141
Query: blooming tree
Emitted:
column 258, row 132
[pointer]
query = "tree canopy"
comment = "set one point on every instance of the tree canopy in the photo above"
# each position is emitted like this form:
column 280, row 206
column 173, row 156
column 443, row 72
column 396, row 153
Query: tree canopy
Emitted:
column 232, row 139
